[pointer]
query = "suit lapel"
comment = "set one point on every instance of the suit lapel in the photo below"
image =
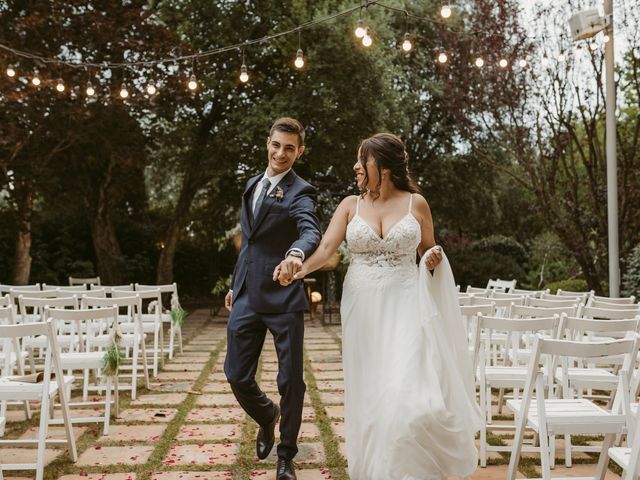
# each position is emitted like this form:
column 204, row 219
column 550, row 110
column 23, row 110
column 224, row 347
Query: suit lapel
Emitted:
column 247, row 197
column 285, row 183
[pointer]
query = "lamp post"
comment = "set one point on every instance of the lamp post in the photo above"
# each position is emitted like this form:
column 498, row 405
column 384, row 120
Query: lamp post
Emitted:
column 612, row 164
column 585, row 24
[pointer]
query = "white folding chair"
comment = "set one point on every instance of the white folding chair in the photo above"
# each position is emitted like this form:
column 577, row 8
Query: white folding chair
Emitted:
column 612, row 305
column 110, row 288
column 87, row 325
column 15, row 293
column 133, row 340
column 151, row 323
column 470, row 315
column 11, row 359
column 575, row 377
column 628, row 458
column 175, row 329
column 528, row 293
column 477, row 291
column 549, row 417
column 504, row 285
column 622, row 300
column 5, row 288
column 44, row 391
column 511, row 374
column 554, row 302
column 84, row 281
column 566, row 293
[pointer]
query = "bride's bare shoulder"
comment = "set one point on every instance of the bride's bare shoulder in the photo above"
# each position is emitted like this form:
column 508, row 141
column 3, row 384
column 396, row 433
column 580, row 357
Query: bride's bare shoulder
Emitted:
column 421, row 207
column 347, row 206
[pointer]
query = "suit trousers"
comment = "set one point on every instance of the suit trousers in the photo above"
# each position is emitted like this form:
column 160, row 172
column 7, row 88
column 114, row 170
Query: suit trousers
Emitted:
column 246, row 331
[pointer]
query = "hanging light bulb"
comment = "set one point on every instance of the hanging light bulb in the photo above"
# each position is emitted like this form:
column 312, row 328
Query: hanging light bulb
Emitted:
column 479, row 62
column 503, row 63
column 10, row 71
column 367, row 41
column 545, row 60
column 60, row 86
column 244, row 75
column 593, row 46
column 562, row 57
column 192, row 84
column 36, row 79
column 522, row 63
column 442, row 58
column 360, row 29
column 606, row 38
column 407, row 45
column 299, row 62
column 151, row 88
column 124, row 93
column 445, row 11
column 90, row 91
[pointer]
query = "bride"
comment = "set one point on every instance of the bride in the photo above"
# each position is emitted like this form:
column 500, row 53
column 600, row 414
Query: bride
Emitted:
column 410, row 409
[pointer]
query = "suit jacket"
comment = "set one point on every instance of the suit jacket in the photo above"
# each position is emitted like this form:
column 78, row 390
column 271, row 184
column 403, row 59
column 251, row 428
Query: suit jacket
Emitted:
column 281, row 224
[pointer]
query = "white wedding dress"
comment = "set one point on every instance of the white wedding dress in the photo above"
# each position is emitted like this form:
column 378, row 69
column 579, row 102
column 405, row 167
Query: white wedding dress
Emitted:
column 410, row 408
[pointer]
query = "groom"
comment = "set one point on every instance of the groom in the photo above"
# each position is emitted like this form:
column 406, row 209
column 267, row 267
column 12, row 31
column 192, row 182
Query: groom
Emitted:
column 279, row 226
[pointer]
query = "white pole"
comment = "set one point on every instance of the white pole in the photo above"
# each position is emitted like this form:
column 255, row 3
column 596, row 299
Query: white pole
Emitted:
column 612, row 167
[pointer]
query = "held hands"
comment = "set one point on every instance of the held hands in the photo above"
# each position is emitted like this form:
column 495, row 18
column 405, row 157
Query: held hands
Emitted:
column 287, row 269
column 434, row 257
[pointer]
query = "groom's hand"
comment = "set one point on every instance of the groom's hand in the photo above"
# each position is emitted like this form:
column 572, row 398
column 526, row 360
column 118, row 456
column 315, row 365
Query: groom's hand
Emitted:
column 228, row 300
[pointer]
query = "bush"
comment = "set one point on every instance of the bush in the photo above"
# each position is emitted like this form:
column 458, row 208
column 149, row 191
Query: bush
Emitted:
column 492, row 257
column 631, row 277
column 570, row 285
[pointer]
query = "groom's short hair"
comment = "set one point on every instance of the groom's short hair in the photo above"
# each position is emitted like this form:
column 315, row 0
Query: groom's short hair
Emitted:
column 288, row 125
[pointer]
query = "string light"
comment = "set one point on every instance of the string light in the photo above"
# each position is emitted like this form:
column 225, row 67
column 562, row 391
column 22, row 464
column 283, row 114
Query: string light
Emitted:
column 479, row 62
column 60, row 86
column 406, row 45
column 367, row 41
column 442, row 58
column 10, row 72
column 36, row 80
column 299, row 62
column 445, row 11
column 544, row 60
column 244, row 75
column 360, row 29
column 562, row 57
column 192, row 84
column 522, row 63
column 90, row 91
column 606, row 38
column 503, row 63
column 124, row 93
column 593, row 46
column 151, row 88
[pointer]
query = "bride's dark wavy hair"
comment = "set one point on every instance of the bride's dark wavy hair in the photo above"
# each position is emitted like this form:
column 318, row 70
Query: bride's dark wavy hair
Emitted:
column 389, row 152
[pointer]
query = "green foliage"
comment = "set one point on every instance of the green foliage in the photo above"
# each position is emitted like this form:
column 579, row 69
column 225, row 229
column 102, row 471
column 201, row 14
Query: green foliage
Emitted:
column 112, row 360
column 178, row 315
column 222, row 286
column 569, row 285
column 631, row 277
column 489, row 258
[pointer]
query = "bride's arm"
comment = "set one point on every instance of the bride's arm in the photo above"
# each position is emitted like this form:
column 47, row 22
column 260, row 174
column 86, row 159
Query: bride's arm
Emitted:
column 423, row 213
column 331, row 240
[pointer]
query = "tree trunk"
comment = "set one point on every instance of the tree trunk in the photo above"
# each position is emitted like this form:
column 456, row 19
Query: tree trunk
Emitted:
column 22, row 265
column 103, row 232
column 164, row 273
column 107, row 249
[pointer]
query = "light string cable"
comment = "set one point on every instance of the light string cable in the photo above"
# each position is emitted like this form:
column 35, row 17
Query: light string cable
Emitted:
column 364, row 5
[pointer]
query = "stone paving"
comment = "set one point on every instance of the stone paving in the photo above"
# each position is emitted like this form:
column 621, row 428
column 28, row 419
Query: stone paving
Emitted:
column 188, row 425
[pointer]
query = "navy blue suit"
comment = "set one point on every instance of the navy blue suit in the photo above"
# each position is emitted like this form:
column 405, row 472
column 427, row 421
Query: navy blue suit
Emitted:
column 260, row 304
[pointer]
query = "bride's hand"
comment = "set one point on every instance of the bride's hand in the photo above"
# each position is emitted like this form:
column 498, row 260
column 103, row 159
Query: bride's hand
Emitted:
column 301, row 274
column 434, row 257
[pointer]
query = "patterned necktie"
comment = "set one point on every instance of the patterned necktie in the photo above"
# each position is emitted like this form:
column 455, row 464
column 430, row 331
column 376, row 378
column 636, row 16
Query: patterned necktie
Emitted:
column 266, row 184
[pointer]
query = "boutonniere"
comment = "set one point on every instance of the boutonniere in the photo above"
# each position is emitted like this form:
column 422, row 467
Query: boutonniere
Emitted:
column 278, row 194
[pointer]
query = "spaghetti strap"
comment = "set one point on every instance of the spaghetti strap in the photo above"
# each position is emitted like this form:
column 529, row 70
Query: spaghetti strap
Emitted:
column 410, row 202
column 357, row 204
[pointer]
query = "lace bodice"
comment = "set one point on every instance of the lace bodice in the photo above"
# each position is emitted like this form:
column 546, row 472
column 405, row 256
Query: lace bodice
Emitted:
column 396, row 249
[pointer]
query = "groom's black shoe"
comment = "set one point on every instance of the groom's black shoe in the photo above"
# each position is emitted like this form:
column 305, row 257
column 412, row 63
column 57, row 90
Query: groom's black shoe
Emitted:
column 285, row 470
column 267, row 437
